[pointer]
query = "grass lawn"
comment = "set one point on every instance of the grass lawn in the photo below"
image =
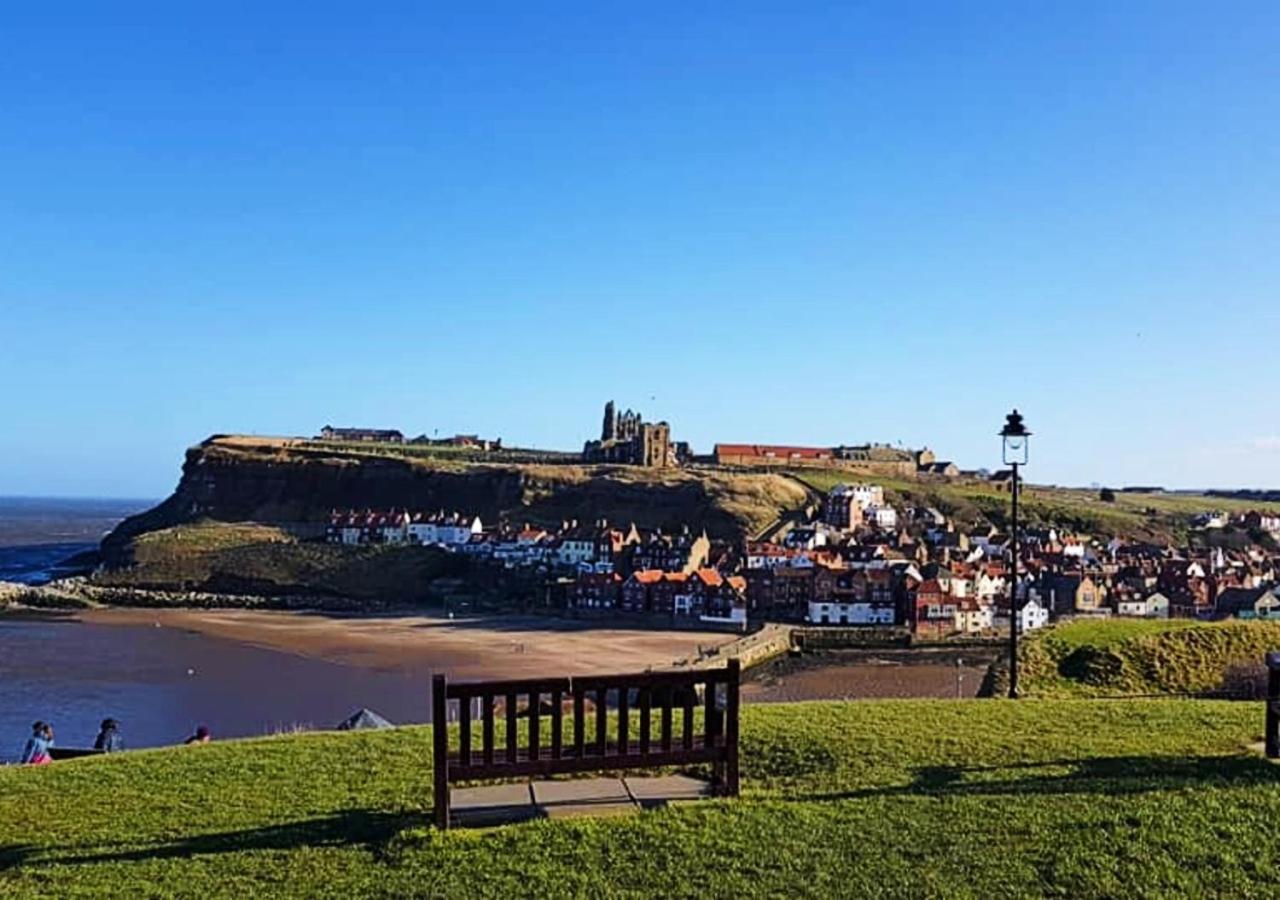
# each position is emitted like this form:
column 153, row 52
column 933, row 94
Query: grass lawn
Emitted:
column 1135, row 656
column 904, row 798
column 1142, row 516
column 1106, row 632
column 249, row 558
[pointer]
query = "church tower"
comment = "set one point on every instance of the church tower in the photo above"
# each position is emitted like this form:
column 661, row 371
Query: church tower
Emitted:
column 610, row 430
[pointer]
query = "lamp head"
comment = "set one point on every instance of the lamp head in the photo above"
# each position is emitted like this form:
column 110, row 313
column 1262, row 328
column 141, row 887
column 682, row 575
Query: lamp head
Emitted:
column 1014, row 439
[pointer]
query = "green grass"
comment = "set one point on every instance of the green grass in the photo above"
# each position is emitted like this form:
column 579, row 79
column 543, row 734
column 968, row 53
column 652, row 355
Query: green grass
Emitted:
column 1129, row 656
column 1106, row 632
column 259, row 559
column 1157, row 517
column 905, row 798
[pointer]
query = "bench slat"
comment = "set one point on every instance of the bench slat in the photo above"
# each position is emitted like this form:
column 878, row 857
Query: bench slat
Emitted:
column 579, row 727
column 513, row 735
column 667, row 697
column 557, row 724
column 535, row 717
column 585, row 764
column 487, row 711
column 602, row 720
column 624, row 726
column 646, row 704
column 464, row 730
column 461, row 690
column 687, row 731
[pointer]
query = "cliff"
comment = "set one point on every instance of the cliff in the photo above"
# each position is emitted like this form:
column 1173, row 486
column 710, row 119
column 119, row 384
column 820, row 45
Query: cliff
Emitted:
column 295, row 484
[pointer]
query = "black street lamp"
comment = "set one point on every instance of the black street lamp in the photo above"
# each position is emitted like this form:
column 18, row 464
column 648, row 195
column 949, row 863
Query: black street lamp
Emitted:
column 1014, row 439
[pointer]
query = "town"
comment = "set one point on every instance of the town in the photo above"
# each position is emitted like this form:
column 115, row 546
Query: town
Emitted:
column 856, row 560
column 860, row 562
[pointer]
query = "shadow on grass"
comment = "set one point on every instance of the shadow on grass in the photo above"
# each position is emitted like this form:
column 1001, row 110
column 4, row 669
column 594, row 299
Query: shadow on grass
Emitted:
column 1115, row 775
column 355, row 827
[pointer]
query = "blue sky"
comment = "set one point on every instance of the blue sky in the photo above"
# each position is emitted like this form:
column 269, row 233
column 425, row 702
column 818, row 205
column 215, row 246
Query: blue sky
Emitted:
column 766, row 223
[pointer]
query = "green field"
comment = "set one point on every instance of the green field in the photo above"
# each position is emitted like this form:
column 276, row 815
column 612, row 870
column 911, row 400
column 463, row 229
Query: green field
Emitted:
column 904, row 799
column 260, row 559
column 1141, row 516
column 1134, row 656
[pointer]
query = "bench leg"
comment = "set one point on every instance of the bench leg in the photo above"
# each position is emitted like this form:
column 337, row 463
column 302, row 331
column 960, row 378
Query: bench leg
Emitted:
column 440, row 752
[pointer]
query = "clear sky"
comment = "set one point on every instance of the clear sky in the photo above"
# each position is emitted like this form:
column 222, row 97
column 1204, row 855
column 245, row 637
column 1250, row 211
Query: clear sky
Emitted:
column 763, row 223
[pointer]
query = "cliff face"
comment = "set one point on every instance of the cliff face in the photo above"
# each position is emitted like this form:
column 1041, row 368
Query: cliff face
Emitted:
column 246, row 479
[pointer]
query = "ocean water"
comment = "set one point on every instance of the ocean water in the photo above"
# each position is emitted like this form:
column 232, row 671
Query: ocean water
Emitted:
column 38, row 534
column 162, row 682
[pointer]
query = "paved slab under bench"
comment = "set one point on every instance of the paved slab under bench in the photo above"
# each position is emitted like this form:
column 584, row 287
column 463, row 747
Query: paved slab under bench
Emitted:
column 503, row 804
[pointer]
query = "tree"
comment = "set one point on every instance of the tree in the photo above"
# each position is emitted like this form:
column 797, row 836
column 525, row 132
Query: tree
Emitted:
column 1106, row 495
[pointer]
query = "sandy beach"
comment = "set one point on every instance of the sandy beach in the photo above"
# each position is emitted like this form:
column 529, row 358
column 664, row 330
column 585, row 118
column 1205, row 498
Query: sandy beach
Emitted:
column 473, row 648
column 867, row 675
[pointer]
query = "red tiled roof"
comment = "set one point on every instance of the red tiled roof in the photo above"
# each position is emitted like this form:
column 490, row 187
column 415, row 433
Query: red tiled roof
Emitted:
column 773, row 451
column 710, row 577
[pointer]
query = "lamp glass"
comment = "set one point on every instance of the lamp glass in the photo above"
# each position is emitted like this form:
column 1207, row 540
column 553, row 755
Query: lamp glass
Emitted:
column 1015, row 449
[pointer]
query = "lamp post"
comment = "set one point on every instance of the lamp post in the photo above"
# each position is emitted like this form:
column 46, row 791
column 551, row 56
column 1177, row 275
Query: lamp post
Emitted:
column 1014, row 438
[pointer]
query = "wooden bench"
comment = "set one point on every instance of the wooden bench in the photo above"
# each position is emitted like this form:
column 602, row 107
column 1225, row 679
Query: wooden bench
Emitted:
column 589, row 746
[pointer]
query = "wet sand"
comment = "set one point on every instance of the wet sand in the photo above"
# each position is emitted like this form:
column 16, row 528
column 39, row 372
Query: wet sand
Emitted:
column 856, row 675
column 163, row 672
column 472, row 648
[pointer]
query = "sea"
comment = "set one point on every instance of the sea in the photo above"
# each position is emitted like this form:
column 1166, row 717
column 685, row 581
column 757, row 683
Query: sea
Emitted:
column 42, row 538
column 160, row 683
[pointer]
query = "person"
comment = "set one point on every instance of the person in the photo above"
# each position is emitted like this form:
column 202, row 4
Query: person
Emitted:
column 109, row 740
column 202, row 736
column 36, row 753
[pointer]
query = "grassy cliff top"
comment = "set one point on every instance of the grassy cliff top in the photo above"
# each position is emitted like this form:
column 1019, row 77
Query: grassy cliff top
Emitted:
column 1144, row 516
column 903, row 798
column 516, row 484
column 245, row 557
column 1132, row 656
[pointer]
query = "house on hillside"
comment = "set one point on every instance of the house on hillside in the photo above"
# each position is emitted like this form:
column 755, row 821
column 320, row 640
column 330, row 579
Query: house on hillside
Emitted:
column 932, row 609
column 361, row 435
column 1067, row 594
column 1153, row 606
column 1248, row 603
column 770, row 455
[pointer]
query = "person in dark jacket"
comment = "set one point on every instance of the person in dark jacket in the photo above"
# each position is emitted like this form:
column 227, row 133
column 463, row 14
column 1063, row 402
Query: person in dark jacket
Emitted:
column 202, row 736
column 109, row 740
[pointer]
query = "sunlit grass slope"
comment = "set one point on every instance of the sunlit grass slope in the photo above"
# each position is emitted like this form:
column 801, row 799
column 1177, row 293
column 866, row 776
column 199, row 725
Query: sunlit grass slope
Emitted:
column 905, row 799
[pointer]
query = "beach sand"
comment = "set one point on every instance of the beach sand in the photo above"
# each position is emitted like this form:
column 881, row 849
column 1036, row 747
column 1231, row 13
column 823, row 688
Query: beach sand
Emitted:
column 472, row 648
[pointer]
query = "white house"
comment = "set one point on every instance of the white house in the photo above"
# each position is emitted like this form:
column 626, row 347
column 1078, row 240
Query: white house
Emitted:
column 987, row 587
column 858, row 613
column 392, row 528
column 457, row 530
column 737, row 616
column 576, row 549
column 806, row 538
column 421, row 530
column 1032, row 616
column 882, row 517
column 1155, row 606
column 974, row 617
column 762, row 555
column 864, row 495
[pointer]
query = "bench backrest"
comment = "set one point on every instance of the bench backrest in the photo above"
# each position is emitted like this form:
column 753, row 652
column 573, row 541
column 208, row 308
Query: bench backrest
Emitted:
column 635, row 741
